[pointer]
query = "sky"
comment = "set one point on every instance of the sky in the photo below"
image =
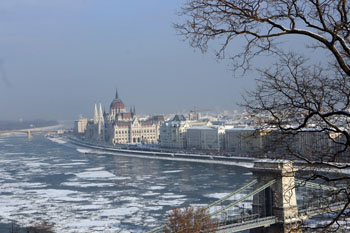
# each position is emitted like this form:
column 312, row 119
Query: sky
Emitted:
column 60, row 57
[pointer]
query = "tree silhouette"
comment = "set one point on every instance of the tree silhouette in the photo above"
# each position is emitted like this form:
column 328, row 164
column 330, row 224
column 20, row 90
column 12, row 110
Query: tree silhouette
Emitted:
column 189, row 220
column 303, row 102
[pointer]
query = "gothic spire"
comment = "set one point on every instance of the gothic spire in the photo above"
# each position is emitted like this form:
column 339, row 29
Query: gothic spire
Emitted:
column 95, row 115
column 101, row 114
column 116, row 93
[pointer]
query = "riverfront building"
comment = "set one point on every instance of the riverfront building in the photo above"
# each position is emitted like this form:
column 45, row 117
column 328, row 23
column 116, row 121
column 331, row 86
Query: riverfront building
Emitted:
column 173, row 132
column 244, row 140
column 306, row 142
column 80, row 126
column 180, row 133
column 209, row 138
column 121, row 127
column 220, row 135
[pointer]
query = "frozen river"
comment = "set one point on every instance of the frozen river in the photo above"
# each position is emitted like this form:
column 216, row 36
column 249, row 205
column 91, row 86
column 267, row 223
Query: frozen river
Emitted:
column 52, row 181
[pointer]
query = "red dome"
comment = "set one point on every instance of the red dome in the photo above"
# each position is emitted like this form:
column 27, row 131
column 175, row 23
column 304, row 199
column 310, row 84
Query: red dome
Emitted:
column 117, row 104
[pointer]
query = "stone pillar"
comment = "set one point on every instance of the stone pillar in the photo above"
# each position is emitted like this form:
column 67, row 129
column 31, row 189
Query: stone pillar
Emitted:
column 278, row 200
column 29, row 134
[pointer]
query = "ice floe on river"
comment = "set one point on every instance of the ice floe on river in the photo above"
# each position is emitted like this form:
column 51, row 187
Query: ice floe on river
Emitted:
column 80, row 192
column 95, row 175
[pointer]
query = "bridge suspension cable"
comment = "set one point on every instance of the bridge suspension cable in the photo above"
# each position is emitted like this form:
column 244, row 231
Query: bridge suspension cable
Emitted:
column 232, row 194
column 214, row 203
column 244, row 198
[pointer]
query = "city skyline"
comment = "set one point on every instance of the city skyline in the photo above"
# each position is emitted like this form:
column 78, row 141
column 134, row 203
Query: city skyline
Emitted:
column 148, row 116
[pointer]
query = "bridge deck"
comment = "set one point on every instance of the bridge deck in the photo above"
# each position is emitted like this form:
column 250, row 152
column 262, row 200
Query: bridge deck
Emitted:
column 246, row 225
column 32, row 131
column 311, row 211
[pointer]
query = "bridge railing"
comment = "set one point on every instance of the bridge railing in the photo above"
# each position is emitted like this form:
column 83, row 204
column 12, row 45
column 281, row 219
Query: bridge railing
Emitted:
column 237, row 219
column 312, row 185
column 317, row 208
column 249, row 224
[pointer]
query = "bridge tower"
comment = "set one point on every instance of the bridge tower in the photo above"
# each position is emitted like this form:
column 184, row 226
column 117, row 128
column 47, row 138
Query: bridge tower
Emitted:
column 29, row 134
column 278, row 200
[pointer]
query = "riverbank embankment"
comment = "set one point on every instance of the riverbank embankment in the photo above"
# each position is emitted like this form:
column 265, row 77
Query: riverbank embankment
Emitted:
column 202, row 158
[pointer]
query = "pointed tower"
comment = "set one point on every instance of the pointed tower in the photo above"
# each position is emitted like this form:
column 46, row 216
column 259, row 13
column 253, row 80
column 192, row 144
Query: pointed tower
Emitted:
column 116, row 94
column 95, row 115
column 101, row 118
column 101, row 125
column 132, row 112
column 117, row 106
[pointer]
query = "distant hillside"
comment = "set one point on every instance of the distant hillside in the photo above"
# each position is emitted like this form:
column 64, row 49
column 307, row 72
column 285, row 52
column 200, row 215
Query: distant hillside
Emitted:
column 13, row 125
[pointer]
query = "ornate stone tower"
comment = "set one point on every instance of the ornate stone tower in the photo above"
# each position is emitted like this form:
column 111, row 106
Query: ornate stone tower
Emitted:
column 95, row 115
column 101, row 125
column 278, row 200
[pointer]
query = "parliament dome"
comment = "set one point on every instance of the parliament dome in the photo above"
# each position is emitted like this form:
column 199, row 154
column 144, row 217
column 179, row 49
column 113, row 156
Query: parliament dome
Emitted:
column 117, row 104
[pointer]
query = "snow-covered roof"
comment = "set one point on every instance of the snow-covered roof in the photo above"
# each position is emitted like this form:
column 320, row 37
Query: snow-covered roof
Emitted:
column 204, row 127
column 241, row 128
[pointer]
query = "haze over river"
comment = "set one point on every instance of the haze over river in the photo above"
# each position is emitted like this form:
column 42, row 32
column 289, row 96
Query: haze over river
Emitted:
column 41, row 179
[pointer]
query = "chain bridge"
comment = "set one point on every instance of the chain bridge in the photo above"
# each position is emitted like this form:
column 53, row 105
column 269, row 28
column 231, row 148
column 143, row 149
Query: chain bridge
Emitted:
column 274, row 207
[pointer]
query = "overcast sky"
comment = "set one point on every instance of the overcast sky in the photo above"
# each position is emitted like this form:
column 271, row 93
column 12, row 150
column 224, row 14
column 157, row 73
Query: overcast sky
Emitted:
column 59, row 57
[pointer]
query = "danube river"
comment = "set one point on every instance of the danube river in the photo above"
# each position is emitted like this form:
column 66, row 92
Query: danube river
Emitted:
column 45, row 180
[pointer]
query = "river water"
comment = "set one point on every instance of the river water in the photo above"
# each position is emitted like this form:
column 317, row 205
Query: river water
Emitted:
column 45, row 180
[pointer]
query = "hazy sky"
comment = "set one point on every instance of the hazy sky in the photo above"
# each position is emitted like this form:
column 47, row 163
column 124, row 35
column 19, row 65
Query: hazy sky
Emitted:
column 59, row 57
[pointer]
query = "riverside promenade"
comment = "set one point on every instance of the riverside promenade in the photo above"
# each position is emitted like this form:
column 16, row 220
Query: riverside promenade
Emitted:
column 175, row 156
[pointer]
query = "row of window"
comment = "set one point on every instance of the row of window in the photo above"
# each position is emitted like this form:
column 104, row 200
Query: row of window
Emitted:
column 136, row 131
column 126, row 139
column 121, row 132
column 121, row 139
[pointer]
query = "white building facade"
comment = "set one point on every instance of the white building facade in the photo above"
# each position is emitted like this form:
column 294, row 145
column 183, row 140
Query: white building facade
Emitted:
column 173, row 132
column 122, row 127
column 205, row 138
column 244, row 140
column 80, row 126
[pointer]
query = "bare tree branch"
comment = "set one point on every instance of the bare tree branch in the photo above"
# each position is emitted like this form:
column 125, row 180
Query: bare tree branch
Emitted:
column 296, row 97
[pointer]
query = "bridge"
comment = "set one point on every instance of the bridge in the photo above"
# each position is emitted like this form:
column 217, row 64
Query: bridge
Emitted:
column 274, row 207
column 30, row 132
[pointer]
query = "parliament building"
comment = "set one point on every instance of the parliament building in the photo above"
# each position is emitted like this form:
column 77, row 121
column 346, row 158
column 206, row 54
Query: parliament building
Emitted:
column 119, row 126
